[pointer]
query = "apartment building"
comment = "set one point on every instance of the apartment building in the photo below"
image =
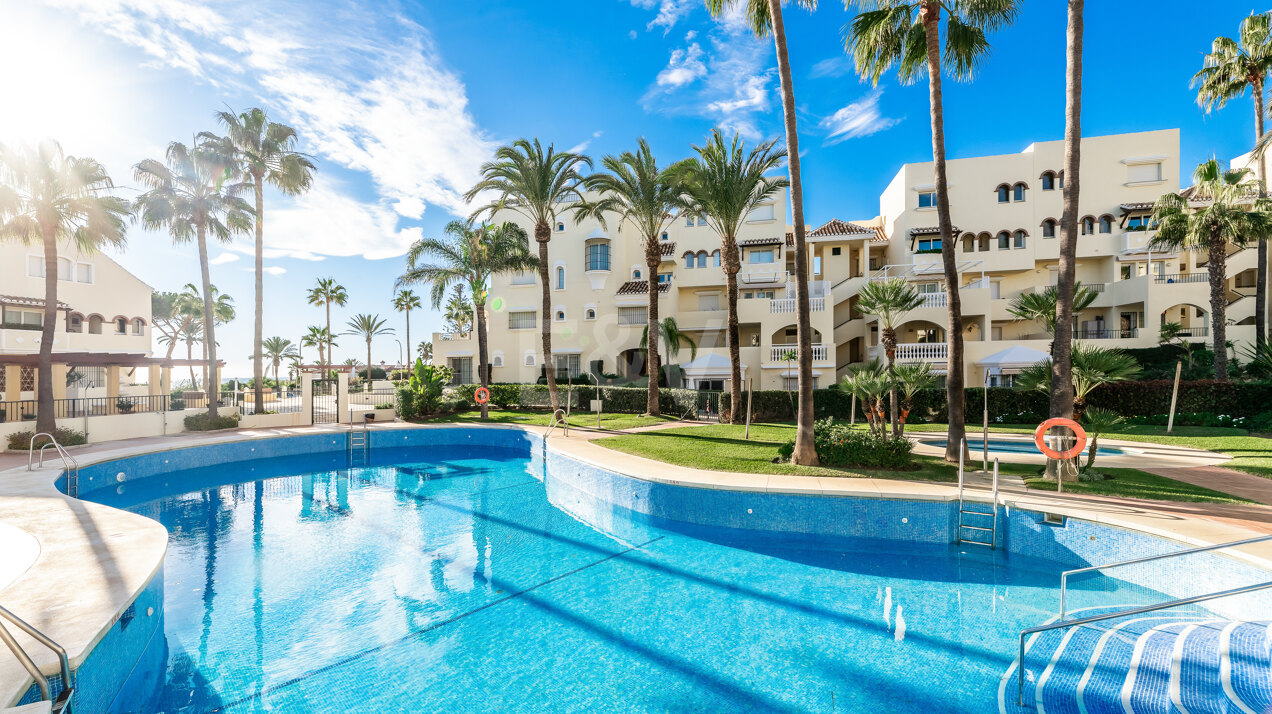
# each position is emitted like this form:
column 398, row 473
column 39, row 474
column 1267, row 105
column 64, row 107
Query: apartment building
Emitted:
column 1006, row 211
column 103, row 316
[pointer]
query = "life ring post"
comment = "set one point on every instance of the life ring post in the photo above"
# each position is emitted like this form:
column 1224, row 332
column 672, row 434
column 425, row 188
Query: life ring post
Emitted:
column 482, row 395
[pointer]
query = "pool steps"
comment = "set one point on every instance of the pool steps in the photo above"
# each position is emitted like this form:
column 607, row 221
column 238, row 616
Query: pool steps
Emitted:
column 1141, row 664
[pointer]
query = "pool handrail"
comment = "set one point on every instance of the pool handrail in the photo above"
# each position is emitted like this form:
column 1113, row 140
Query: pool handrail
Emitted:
column 1020, row 663
column 64, row 664
column 1064, row 577
column 69, row 464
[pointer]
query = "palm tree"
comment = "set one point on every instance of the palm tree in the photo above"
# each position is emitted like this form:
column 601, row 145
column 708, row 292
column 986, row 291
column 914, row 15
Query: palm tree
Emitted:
column 906, row 33
column 191, row 334
column 368, row 327
column 321, row 338
column 765, row 18
column 1097, row 422
column 1221, row 207
column 188, row 194
column 1044, row 307
column 425, row 351
column 668, row 333
column 724, row 184
column 458, row 312
column 469, row 256
column 172, row 312
column 1066, row 299
column 1227, row 70
column 912, row 378
column 190, row 305
column 263, row 152
column 277, row 349
column 47, row 198
column 889, row 300
column 1092, row 366
column 537, row 184
column 869, row 382
column 406, row 301
column 325, row 292
column 637, row 192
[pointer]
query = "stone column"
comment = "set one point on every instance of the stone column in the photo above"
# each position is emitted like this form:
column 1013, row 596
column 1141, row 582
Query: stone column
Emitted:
column 154, row 380
column 59, row 380
column 342, row 395
column 112, row 388
column 307, row 397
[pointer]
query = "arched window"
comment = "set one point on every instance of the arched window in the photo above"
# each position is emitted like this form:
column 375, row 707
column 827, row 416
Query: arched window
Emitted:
column 139, row 326
column 1048, row 181
column 1060, row 180
column 1018, row 192
column 560, row 226
column 702, row 259
column 560, row 277
column 1004, row 240
column 1106, row 224
column 1088, row 226
column 969, row 243
column 688, row 259
column 529, row 360
column 598, row 255
column 1004, row 194
column 589, row 314
column 1049, row 228
column 635, row 273
column 664, row 235
column 1018, row 239
column 715, row 258
column 121, row 325
column 497, row 360
column 560, row 314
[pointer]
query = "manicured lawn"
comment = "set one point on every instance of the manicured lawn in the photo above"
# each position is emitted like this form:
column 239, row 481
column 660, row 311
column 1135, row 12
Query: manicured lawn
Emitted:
column 541, row 418
column 720, row 447
column 1250, row 454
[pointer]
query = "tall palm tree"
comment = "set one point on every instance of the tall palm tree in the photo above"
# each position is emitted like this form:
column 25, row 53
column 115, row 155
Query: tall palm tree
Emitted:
column 263, row 152
column 537, row 184
column 223, row 311
column 425, row 351
column 1066, row 298
column 319, row 337
column 469, row 256
column 406, row 301
column 191, row 334
column 667, row 332
column 1227, row 71
column 1044, row 307
column 326, row 292
column 277, row 349
column 765, row 18
column 1221, row 207
column 1092, row 366
column 187, row 193
column 636, row 191
column 906, row 33
column 723, row 184
column 889, row 300
column 368, row 327
column 47, row 198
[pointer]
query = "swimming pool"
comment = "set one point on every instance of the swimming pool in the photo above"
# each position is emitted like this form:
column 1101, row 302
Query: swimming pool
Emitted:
column 458, row 572
column 1011, row 446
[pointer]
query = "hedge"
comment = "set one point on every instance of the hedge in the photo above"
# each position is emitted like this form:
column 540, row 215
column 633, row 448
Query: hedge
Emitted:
column 624, row 400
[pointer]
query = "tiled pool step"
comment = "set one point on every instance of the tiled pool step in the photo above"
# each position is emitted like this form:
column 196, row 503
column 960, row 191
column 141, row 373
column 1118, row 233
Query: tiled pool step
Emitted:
column 976, row 523
column 1177, row 663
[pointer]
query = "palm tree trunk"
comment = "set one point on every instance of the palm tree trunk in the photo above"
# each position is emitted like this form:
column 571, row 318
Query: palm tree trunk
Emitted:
column 1219, row 304
column 931, row 15
column 213, row 382
column 653, row 365
column 735, row 351
column 1261, row 279
column 258, row 365
column 325, row 356
column 543, row 234
column 408, row 339
column 366, row 384
column 45, row 419
column 194, row 383
column 805, row 451
column 889, row 337
column 483, row 347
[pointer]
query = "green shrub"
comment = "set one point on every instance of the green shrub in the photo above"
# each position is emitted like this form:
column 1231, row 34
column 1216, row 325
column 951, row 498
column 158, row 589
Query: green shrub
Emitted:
column 21, row 440
column 203, row 422
column 384, row 405
column 838, row 445
column 176, row 404
column 404, row 403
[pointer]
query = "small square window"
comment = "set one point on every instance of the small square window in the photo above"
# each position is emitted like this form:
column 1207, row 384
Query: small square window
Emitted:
column 927, row 199
column 835, row 250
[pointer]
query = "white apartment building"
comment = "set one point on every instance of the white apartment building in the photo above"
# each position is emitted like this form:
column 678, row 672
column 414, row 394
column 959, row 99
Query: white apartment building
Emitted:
column 103, row 316
column 1005, row 210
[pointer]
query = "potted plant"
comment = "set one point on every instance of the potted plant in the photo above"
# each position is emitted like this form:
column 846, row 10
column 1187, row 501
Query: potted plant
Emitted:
column 125, row 406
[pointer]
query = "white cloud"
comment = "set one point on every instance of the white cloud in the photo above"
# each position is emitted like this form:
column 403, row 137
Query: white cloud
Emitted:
column 731, row 83
column 582, row 145
column 861, row 118
column 326, row 221
column 223, row 258
column 670, row 12
column 832, row 67
column 366, row 90
column 274, row 269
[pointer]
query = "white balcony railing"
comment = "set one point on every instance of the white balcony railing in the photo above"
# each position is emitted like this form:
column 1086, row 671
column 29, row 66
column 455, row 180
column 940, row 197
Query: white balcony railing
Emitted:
column 452, row 336
column 785, row 305
column 915, row 352
column 935, row 299
column 777, row 353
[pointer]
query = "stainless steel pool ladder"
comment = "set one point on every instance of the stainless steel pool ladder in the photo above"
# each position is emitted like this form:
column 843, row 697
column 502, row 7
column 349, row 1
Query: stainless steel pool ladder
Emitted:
column 63, row 700
column 963, row 512
column 1061, row 622
column 68, row 462
column 560, row 418
column 359, row 440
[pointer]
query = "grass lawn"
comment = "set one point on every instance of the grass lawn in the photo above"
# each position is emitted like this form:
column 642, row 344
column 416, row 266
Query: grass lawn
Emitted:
column 720, row 447
column 1250, row 454
column 541, row 418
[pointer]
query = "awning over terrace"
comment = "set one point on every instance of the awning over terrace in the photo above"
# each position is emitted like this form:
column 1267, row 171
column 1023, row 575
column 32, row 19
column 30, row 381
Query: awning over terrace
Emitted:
column 1013, row 358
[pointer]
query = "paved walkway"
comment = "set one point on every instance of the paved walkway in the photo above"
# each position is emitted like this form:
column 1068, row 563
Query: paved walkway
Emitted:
column 1243, row 485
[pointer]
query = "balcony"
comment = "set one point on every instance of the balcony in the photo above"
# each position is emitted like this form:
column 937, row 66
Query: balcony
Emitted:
column 1106, row 334
column 1164, row 278
column 934, row 300
column 777, row 352
column 916, row 352
column 787, row 305
column 452, row 336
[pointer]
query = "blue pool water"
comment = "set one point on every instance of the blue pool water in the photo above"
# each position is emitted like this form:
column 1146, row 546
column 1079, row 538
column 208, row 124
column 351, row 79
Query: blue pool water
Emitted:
column 461, row 578
column 1019, row 447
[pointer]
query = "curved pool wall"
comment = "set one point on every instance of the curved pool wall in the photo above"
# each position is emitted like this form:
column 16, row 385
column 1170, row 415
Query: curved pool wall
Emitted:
column 127, row 663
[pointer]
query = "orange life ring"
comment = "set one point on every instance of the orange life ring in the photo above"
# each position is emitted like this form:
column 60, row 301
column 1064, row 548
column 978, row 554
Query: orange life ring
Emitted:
column 1041, row 432
column 482, row 395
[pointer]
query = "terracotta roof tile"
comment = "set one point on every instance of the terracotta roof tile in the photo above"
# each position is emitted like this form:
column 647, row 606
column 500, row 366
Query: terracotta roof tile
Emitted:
column 751, row 242
column 640, row 287
column 29, row 302
column 836, row 227
column 931, row 230
column 1141, row 206
column 668, row 249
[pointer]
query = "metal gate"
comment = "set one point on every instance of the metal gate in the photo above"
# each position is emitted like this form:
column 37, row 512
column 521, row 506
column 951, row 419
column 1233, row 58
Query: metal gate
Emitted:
column 708, row 405
column 326, row 401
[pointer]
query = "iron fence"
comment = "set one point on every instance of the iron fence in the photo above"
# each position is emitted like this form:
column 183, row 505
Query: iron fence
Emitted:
column 75, row 407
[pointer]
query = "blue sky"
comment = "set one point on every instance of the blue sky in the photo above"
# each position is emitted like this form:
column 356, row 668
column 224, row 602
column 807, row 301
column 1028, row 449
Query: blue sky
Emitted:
column 401, row 102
